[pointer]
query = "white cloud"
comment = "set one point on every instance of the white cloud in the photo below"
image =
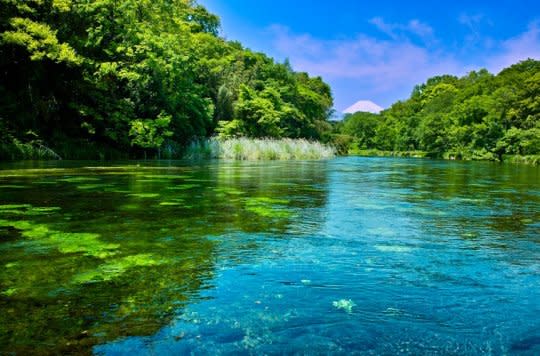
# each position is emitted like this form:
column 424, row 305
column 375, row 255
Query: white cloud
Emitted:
column 383, row 26
column 470, row 20
column 526, row 45
column 381, row 63
column 400, row 31
column 385, row 70
column 474, row 23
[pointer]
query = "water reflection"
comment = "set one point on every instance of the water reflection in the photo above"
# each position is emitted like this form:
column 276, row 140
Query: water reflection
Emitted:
column 406, row 257
column 92, row 254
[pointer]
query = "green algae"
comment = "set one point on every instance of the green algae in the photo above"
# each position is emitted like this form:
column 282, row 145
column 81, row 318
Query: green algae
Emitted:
column 27, row 209
column 79, row 179
column 184, row 187
column 164, row 176
column 114, row 269
column 470, row 235
column 19, row 225
column 89, row 244
column 14, row 206
column 116, row 190
column 345, row 304
column 171, row 203
column 32, row 231
column 13, row 186
column 144, row 195
column 9, row 292
column 268, row 200
column 100, row 186
column 268, row 207
column 130, row 207
column 229, row 191
column 268, row 212
column 97, row 285
column 45, row 209
column 151, row 181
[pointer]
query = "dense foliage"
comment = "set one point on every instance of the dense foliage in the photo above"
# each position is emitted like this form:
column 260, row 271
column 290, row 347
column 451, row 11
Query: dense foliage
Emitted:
column 478, row 116
column 112, row 78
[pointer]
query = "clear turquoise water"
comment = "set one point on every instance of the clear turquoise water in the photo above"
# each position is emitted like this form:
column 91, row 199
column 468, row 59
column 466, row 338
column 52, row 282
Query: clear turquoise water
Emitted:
column 352, row 255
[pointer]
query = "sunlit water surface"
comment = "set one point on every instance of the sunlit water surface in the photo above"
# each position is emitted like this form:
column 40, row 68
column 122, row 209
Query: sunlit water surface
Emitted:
column 352, row 255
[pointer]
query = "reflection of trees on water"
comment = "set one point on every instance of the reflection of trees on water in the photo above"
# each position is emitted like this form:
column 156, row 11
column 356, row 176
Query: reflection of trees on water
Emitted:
column 463, row 197
column 165, row 221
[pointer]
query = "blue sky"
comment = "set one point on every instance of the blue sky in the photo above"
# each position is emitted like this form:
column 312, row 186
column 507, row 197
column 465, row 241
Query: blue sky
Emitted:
column 378, row 50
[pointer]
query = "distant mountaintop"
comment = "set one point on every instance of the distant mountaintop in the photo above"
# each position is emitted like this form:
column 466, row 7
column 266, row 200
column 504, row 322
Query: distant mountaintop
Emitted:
column 363, row 105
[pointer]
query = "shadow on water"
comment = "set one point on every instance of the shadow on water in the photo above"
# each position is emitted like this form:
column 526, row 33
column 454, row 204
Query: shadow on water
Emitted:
column 94, row 253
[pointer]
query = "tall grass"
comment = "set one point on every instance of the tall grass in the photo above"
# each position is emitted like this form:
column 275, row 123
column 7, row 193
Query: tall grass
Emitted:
column 258, row 149
column 380, row 153
column 530, row 159
column 15, row 150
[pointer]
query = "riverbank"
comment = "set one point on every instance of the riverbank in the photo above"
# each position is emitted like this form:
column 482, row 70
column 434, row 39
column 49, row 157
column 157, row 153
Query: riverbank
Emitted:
column 486, row 156
column 243, row 148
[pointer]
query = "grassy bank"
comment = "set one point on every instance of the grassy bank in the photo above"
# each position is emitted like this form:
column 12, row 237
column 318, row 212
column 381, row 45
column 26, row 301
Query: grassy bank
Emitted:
column 16, row 150
column 258, row 149
column 69, row 149
column 379, row 153
column 459, row 156
column 530, row 159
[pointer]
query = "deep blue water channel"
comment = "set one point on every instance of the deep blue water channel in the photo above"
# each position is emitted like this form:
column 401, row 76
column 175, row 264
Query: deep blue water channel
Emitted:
column 368, row 256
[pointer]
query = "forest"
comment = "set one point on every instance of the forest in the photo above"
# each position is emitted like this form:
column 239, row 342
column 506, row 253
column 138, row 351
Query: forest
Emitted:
column 112, row 79
column 86, row 79
column 477, row 116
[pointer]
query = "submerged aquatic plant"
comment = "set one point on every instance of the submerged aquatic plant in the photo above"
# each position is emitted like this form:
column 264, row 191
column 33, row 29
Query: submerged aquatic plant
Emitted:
column 144, row 195
column 9, row 292
column 345, row 304
column 14, row 207
column 27, row 210
column 89, row 244
column 171, row 203
column 184, row 187
column 79, row 179
column 228, row 191
column 268, row 207
column 113, row 269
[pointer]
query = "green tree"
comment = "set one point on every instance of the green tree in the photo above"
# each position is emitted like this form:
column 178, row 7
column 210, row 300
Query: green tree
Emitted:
column 150, row 133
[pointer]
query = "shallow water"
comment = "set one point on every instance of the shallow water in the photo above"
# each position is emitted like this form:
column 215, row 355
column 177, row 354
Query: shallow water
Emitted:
column 351, row 255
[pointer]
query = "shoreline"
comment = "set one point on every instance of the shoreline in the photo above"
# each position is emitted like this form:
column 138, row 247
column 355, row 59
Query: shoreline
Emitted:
column 533, row 160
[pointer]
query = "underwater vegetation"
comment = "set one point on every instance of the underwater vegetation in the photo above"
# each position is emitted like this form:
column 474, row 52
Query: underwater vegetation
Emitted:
column 268, row 207
column 88, row 244
column 344, row 304
column 214, row 257
column 116, row 268
column 98, row 253
column 83, row 288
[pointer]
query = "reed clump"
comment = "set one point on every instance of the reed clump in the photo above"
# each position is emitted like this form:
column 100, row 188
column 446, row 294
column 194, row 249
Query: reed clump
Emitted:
column 252, row 149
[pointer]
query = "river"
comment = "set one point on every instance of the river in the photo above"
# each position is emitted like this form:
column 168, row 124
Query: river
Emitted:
column 351, row 255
